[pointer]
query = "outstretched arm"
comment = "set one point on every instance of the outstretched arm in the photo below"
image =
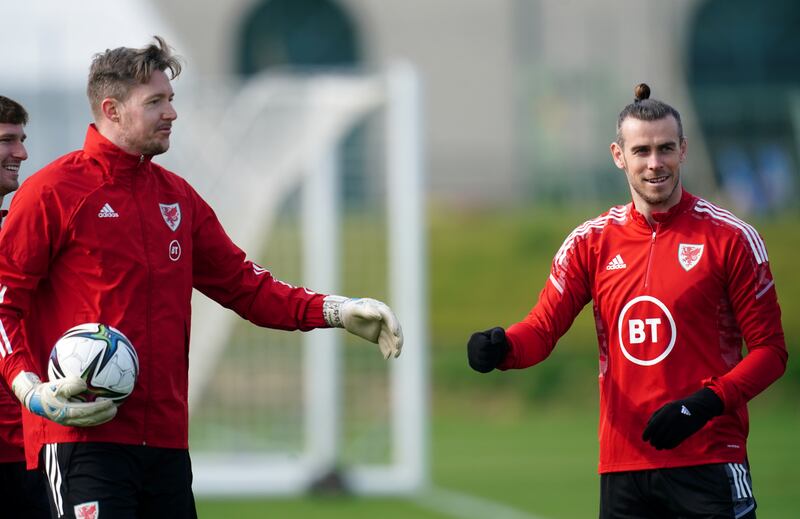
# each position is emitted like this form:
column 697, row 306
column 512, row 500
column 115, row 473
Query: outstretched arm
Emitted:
column 531, row 340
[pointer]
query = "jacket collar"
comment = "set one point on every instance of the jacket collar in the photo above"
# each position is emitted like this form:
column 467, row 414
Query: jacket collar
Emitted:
column 668, row 216
column 114, row 161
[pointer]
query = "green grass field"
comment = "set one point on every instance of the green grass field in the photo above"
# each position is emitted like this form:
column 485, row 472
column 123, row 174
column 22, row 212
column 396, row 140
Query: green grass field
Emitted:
column 542, row 464
column 527, row 440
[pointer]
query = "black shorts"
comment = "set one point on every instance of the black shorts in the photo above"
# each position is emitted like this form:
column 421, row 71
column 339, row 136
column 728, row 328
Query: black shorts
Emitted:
column 718, row 491
column 22, row 492
column 119, row 481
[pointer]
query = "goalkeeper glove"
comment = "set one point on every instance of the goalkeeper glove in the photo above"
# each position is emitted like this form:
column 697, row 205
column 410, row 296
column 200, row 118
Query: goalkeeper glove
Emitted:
column 486, row 350
column 51, row 400
column 677, row 420
column 367, row 318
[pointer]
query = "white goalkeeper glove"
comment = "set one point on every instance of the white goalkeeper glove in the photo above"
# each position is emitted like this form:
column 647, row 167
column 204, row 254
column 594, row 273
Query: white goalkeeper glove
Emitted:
column 52, row 400
column 368, row 318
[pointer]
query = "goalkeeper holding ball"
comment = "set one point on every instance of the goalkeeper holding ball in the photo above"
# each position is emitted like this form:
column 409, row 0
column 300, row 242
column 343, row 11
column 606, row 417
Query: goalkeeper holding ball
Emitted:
column 677, row 284
column 104, row 234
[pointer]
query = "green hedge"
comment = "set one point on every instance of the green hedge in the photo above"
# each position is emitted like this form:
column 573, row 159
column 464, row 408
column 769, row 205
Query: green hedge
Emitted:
column 488, row 266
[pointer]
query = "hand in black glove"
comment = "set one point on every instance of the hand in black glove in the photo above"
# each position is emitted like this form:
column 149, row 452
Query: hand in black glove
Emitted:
column 485, row 350
column 679, row 419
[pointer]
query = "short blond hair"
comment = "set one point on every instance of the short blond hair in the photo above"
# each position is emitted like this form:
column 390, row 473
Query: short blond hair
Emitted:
column 116, row 71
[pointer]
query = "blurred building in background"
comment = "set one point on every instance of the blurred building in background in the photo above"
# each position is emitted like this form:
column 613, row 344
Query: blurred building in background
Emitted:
column 521, row 96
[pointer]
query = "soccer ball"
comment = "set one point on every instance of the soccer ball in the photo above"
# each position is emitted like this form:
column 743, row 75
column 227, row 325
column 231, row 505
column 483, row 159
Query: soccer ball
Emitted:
column 99, row 354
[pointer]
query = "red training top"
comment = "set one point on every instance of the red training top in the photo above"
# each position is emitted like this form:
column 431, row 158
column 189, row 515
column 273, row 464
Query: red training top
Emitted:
column 672, row 304
column 103, row 236
column 11, row 449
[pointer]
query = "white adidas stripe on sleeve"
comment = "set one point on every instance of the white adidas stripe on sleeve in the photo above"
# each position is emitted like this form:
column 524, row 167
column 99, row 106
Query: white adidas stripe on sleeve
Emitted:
column 756, row 243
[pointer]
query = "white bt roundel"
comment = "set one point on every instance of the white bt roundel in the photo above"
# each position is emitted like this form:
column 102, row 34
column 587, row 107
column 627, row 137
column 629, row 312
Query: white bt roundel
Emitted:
column 174, row 250
column 646, row 331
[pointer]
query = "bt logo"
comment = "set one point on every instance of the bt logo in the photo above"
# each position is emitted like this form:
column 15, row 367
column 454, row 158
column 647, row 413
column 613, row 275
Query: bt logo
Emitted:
column 646, row 331
column 637, row 333
column 174, row 250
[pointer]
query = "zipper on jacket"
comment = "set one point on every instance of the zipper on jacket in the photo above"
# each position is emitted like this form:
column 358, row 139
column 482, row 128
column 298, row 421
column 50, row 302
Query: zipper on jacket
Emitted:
column 650, row 257
column 148, row 331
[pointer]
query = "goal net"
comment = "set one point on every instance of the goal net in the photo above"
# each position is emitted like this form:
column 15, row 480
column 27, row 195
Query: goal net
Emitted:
column 317, row 176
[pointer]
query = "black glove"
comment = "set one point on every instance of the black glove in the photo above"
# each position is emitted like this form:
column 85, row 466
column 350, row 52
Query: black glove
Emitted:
column 679, row 419
column 485, row 350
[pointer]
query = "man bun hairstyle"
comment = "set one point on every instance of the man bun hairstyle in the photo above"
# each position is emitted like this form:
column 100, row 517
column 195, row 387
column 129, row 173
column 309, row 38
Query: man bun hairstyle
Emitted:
column 642, row 91
column 646, row 109
column 115, row 72
column 11, row 112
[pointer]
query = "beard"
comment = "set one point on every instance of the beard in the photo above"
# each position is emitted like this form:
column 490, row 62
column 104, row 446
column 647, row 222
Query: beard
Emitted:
column 7, row 185
column 155, row 147
column 145, row 146
column 659, row 197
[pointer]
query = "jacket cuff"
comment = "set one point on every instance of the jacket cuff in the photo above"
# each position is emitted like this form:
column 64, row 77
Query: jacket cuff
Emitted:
column 713, row 383
column 315, row 317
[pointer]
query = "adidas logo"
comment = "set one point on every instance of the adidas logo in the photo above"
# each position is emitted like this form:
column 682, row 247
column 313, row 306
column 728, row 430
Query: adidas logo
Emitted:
column 685, row 411
column 107, row 212
column 616, row 263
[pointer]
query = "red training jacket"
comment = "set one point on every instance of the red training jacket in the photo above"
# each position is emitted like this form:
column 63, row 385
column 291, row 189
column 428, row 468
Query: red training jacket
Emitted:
column 671, row 305
column 103, row 236
column 11, row 450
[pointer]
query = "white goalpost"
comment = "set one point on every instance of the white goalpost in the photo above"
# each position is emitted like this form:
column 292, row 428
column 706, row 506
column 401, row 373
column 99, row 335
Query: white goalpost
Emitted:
column 286, row 412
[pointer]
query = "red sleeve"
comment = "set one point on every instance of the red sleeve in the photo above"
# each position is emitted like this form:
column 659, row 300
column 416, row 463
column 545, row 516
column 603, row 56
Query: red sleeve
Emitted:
column 222, row 272
column 27, row 239
column 563, row 297
column 755, row 305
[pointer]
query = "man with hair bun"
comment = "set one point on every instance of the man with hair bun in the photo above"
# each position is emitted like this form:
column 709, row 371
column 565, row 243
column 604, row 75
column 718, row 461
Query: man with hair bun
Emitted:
column 105, row 235
column 678, row 285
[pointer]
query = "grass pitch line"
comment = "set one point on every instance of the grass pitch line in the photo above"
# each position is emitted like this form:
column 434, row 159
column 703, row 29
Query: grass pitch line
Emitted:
column 466, row 506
